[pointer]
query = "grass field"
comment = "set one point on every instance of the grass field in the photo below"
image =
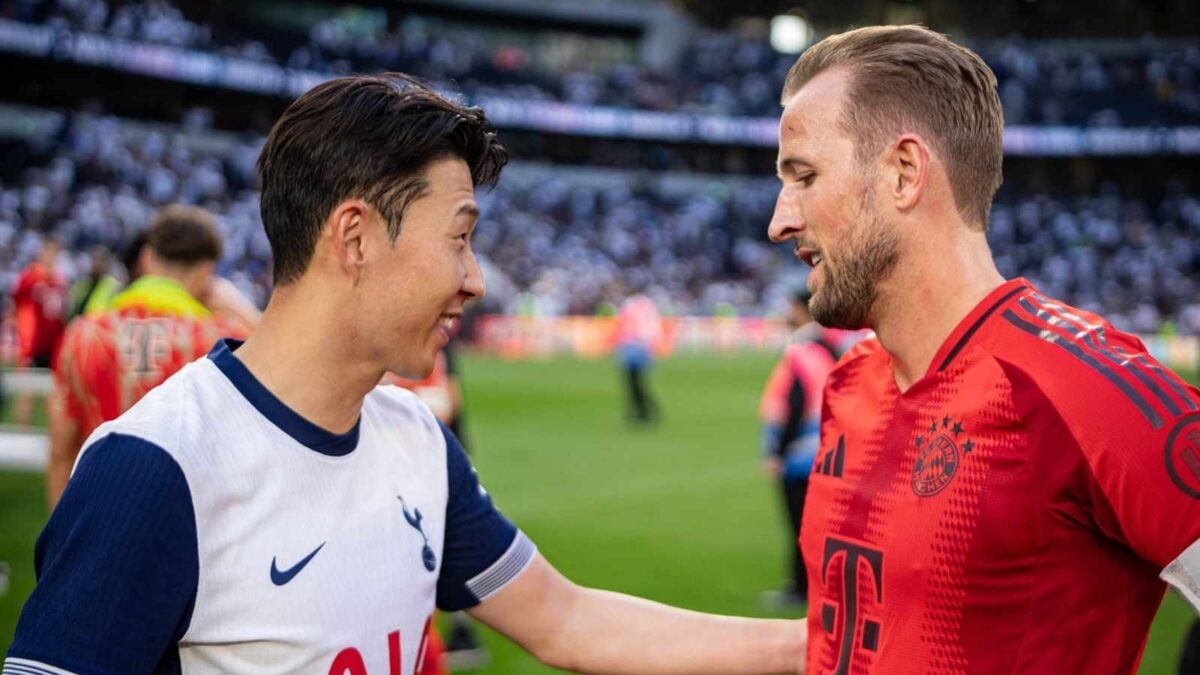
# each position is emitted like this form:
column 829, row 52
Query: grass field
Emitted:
column 679, row 513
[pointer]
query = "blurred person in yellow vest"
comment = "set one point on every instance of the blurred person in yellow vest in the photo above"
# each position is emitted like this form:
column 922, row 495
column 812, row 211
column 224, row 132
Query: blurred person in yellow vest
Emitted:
column 110, row 359
column 92, row 292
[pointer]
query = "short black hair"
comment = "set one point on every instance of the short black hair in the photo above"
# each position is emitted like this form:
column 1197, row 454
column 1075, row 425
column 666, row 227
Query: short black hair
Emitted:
column 369, row 137
column 132, row 252
column 184, row 235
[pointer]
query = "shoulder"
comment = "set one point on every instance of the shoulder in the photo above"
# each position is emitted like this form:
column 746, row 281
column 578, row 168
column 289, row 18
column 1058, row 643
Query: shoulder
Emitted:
column 397, row 401
column 399, row 406
column 88, row 329
column 1102, row 381
column 867, row 354
column 160, row 416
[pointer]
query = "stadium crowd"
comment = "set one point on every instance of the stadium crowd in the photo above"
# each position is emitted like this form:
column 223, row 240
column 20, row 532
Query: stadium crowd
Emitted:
column 1124, row 83
column 556, row 240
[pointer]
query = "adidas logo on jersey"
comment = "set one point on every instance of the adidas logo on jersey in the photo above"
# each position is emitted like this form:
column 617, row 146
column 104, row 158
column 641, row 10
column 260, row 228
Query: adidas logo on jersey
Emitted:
column 833, row 461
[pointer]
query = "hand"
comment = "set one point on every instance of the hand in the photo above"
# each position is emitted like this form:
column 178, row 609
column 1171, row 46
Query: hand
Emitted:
column 772, row 467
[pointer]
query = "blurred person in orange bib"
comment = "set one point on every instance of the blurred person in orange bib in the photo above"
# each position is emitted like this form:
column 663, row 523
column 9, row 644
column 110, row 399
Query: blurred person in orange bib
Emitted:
column 151, row 329
column 790, row 411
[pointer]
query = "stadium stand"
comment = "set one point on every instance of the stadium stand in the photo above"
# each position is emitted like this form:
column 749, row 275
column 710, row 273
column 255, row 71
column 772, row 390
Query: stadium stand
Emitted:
column 1096, row 83
column 613, row 219
column 694, row 241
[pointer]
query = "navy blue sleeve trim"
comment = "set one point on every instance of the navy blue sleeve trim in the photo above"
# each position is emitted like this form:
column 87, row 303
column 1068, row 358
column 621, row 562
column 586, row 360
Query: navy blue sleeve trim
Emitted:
column 117, row 565
column 478, row 537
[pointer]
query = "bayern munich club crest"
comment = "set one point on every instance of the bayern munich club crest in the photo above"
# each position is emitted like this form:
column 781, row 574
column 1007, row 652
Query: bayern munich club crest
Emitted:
column 939, row 454
column 1183, row 455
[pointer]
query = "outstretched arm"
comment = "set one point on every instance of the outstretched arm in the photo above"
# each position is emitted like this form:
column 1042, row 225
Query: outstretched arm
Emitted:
column 591, row 631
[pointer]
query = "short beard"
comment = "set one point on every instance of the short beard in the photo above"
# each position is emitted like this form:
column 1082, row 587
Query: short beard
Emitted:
column 847, row 298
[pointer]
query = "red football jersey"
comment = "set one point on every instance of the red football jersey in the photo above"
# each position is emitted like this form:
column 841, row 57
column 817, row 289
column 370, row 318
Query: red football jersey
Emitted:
column 110, row 361
column 1010, row 512
column 40, row 298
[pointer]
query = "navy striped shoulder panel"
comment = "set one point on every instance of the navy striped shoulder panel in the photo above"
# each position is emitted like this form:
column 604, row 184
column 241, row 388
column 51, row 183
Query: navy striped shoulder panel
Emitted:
column 1156, row 393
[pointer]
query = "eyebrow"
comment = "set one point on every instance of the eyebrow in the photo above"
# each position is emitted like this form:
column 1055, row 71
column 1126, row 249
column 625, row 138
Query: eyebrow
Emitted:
column 469, row 210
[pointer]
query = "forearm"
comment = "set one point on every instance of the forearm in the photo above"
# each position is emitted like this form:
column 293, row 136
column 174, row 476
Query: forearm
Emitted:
column 590, row 631
column 611, row 633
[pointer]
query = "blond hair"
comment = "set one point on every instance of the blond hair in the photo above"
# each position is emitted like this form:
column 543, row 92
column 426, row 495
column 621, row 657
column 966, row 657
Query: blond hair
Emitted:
column 909, row 79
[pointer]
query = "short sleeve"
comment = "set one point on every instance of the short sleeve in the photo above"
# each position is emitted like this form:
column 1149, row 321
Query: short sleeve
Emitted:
column 483, row 551
column 1147, row 473
column 117, row 567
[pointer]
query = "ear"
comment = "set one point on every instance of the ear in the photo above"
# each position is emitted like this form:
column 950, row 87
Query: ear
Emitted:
column 348, row 227
column 145, row 260
column 908, row 165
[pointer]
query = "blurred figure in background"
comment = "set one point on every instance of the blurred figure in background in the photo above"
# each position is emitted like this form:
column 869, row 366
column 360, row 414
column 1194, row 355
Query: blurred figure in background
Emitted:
column 39, row 300
column 92, row 292
column 154, row 327
column 791, row 416
column 1189, row 658
column 639, row 335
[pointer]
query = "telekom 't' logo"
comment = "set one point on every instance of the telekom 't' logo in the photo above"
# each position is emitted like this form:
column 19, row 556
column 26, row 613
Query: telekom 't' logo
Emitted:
column 849, row 554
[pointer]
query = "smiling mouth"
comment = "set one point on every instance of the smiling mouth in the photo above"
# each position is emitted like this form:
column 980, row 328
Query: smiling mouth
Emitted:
column 448, row 321
column 811, row 257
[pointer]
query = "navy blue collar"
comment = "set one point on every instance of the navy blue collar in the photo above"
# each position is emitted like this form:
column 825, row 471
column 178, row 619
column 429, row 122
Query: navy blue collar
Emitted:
column 289, row 421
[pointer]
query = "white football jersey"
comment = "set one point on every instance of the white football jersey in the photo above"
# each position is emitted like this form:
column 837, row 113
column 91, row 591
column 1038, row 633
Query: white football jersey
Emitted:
column 211, row 529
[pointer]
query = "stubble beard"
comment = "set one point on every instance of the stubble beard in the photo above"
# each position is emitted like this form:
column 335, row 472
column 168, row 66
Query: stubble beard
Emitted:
column 847, row 298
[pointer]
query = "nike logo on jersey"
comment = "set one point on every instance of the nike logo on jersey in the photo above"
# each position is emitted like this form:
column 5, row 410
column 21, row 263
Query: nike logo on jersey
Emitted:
column 414, row 519
column 280, row 578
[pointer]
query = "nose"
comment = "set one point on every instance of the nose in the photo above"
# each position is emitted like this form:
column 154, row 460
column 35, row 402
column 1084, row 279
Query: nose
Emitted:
column 788, row 220
column 473, row 285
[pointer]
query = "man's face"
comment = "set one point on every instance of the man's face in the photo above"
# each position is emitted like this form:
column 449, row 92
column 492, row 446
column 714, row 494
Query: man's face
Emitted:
column 48, row 256
column 827, row 206
column 416, row 287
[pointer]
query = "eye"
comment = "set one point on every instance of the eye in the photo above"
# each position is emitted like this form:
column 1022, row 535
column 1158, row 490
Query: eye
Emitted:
column 806, row 179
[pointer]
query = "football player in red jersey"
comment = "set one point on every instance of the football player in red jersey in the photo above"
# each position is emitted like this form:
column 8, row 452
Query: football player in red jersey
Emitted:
column 1004, row 482
column 39, row 302
column 152, row 329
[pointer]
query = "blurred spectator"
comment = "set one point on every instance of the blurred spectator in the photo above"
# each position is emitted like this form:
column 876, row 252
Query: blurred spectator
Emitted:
column 639, row 338
column 158, row 324
column 790, row 410
column 558, row 240
column 39, row 301
column 1144, row 83
column 92, row 292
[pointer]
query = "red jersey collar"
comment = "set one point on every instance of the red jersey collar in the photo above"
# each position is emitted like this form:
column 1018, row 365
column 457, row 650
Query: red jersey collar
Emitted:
column 965, row 330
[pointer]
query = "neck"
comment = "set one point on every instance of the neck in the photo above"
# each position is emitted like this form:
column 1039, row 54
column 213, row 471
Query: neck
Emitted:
column 919, row 306
column 302, row 354
column 177, row 273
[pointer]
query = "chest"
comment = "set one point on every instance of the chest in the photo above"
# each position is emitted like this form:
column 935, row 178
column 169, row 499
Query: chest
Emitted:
column 307, row 561
column 934, row 479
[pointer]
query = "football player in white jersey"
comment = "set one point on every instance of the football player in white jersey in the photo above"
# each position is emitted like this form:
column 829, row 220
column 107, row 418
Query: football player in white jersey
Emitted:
column 268, row 509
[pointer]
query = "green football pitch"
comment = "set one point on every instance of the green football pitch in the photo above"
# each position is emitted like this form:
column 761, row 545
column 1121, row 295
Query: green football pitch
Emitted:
column 679, row 512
